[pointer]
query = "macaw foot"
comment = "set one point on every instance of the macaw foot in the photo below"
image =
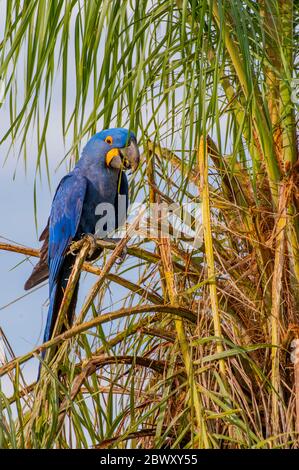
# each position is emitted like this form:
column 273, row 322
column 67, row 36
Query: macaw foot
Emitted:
column 92, row 240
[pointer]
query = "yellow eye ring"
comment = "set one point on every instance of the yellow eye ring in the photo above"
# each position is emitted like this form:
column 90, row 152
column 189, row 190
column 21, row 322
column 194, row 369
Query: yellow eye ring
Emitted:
column 109, row 140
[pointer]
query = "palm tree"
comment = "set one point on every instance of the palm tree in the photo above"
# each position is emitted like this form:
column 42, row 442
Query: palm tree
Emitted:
column 199, row 354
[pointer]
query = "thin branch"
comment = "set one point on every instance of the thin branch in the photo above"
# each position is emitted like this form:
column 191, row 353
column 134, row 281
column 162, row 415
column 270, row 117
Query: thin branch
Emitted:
column 108, row 317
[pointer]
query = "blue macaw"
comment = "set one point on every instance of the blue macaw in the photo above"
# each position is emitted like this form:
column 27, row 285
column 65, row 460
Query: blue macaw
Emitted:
column 98, row 177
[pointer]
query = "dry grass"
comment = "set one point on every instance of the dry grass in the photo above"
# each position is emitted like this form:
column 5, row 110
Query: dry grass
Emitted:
column 199, row 353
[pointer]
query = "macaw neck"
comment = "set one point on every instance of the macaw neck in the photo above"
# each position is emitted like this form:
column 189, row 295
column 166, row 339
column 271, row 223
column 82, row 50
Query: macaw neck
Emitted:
column 89, row 164
column 97, row 172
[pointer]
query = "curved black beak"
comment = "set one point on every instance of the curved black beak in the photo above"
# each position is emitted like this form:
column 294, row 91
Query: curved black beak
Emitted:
column 130, row 155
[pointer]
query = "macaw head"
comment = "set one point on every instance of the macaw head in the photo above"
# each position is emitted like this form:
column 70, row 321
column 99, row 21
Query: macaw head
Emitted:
column 117, row 146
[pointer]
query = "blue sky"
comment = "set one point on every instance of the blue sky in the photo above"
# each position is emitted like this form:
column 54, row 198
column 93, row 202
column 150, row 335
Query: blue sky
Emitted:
column 23, row 320
column 23, row 314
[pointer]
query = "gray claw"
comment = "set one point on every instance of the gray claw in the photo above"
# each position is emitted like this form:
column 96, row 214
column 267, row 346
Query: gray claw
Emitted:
column 92, row 239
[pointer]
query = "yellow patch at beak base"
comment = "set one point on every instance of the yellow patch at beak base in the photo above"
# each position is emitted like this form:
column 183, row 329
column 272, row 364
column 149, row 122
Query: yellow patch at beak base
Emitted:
column 110, row 155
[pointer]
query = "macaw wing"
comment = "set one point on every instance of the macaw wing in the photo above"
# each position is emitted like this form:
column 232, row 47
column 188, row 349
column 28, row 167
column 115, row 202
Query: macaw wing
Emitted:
column 64, row 220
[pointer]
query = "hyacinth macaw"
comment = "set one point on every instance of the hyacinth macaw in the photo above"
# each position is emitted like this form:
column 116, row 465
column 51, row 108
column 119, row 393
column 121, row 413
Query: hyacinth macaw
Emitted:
column 98, row 177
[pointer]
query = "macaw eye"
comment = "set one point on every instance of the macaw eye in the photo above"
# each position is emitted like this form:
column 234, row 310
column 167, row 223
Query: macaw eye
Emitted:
column 109, row 140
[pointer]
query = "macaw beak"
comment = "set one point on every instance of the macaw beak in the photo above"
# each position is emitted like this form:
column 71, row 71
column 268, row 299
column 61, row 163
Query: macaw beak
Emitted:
column 124, row 158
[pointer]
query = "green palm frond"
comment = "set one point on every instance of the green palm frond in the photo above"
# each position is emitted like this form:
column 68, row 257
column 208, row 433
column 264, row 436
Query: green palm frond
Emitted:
column 198, row 352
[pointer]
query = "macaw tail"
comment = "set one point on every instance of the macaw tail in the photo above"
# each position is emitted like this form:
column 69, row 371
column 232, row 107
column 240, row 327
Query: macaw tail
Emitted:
column 40, row 271
column 56, row 296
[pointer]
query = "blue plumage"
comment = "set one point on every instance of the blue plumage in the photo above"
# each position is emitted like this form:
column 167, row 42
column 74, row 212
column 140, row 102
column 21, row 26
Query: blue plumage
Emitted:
column 64, row 220
column 98, row 177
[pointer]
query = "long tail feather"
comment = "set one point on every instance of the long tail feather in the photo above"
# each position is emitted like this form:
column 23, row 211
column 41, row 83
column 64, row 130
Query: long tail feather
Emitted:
column 56, row 297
